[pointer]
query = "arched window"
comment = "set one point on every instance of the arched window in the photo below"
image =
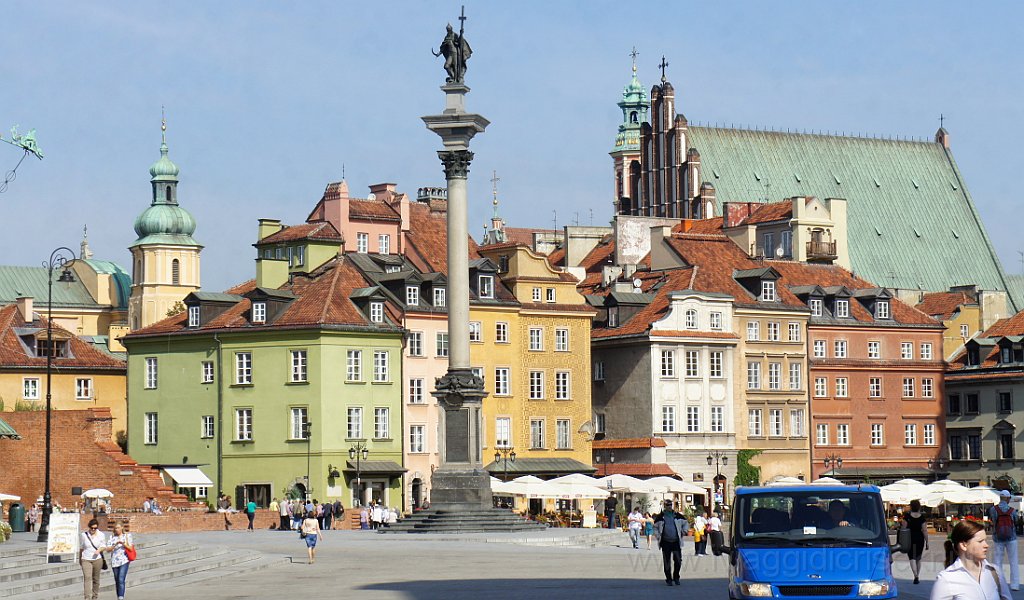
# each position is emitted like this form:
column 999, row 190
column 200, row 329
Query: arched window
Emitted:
column 175, row 272
column 633, row 118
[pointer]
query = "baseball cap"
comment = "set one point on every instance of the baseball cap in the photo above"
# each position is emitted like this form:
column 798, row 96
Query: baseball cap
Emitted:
column 1004, row 493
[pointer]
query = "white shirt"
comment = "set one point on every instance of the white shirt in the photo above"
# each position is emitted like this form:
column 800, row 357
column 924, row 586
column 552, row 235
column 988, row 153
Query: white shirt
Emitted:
column 715, row 524
column 636, row 520
column 955, row 583
column 98, row 539
column 699, row 523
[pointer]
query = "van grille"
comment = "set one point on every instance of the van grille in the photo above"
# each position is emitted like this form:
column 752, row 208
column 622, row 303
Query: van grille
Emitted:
column 815, row 590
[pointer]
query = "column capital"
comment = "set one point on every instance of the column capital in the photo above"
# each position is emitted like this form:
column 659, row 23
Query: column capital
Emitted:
column 456, row 163
column 458, row 387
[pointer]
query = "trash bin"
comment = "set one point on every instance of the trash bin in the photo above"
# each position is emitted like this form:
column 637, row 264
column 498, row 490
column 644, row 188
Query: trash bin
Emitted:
column 16, row 516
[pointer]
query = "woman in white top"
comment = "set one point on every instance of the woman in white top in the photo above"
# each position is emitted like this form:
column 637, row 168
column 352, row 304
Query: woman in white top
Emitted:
column 971, row 577
column 94, row 544
column 311, row 533
column 119, row 543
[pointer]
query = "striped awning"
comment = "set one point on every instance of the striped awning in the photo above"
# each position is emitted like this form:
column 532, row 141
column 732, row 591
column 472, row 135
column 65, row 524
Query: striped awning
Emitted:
column 8, row 432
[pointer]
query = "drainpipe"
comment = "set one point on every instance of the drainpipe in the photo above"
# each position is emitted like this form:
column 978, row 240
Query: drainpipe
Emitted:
column 219, row 375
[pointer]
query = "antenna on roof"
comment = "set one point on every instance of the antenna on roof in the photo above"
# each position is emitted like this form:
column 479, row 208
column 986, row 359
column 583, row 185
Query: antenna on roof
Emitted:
column 343, row 171
column 1021, row 261
column 554, row 219
column 591, row 217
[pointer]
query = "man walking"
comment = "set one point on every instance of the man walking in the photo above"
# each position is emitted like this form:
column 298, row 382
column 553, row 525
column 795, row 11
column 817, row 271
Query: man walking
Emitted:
column 668, row 530
column 609, row 510
column 636, row 522
column 328, row 515
column 285, row 512
column 1004, row 534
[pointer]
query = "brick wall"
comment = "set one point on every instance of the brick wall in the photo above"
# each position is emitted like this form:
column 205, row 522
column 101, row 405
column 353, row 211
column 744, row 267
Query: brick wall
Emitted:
column 202, row 521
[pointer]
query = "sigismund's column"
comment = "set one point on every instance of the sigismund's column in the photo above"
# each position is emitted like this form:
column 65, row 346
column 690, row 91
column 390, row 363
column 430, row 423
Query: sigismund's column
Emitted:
column 460, row 482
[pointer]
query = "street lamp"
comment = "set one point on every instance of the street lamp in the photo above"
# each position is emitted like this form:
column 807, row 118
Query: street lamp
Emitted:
column 359, row 453
column 58, row 260
column 609, row 458
column 718, row 458
column 306, row 427
column 508, row 455
column 936, row 465
column 833, row 461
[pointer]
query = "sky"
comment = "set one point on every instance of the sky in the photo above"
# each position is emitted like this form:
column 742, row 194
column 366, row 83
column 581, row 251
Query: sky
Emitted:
column 268, row 102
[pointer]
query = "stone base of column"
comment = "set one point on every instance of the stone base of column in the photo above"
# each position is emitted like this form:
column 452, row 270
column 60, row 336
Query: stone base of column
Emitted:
column 455, row 488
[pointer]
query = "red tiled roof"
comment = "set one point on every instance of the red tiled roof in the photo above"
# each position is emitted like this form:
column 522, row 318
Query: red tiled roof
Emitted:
column 372, row 210
column 556, row 258
column 634, row 470
column 630, row 443
column 82, row 354
column 1010, row 326
column 640, row 323
column 724, row 335
column 706, row 226
column 766, row 213
column 428, row 240
column 598, row 256
column 524, row 235
column 318, row 230
column 942, row 305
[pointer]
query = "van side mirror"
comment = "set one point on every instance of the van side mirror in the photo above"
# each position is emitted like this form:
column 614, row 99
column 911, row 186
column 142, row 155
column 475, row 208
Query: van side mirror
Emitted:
column 902, row 542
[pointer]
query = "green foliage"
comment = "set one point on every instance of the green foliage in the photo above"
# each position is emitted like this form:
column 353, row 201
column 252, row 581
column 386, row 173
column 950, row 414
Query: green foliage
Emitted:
column 5, row 532
column 121, row 437
column 746, row 473
column 21, row 406
column 176, row 309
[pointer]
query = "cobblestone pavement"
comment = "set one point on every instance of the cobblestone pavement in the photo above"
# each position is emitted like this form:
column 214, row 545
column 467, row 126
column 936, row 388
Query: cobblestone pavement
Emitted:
column 470, row 566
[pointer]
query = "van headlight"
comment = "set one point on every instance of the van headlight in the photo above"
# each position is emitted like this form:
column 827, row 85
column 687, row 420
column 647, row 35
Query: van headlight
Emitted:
column 873, row 588
column 763, row 590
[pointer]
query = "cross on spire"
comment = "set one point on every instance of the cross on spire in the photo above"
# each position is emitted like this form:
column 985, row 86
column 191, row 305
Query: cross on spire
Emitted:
column 163, row 124
column 942, row 119
column 462, row 17
column 634, row 54
column 664, row 63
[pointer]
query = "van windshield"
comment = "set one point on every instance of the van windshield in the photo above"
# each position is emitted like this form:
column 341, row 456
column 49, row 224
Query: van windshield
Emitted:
column 809, row 518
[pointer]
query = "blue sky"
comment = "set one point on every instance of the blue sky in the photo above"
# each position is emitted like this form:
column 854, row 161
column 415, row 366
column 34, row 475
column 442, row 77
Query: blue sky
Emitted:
column 266, row 101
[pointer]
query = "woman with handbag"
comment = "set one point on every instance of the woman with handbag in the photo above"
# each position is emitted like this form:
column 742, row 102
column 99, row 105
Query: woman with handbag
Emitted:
column 917, row 526
column 121, row 555
column 94, row 544
column 310, row 532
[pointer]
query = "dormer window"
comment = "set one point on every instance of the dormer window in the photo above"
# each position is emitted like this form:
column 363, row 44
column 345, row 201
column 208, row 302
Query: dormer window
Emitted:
column 882, row 309
column 973, row 357
column 613, row 316
column 691, row 318
column 412, row 295
column 259, row 312
column 842, row 309
column 1006, row 355
column 439, row 297
column 193, row 316
column 486, row 286
column 377, row 312
column 816, row 305
column 392, row 269
column 362, row 243
column 55, row 348
column 767, row 291
column 300, row 256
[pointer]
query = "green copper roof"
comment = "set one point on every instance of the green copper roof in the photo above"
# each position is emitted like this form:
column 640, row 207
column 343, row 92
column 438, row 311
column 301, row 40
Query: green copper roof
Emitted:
column 165, row 222
column 1016, row 283
column 163, row 169
column 912, row 223
column 634, row 105
column 6, row 431
column 18, row 281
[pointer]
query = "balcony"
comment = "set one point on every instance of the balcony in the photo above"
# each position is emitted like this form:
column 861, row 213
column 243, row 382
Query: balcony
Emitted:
column 821, row 251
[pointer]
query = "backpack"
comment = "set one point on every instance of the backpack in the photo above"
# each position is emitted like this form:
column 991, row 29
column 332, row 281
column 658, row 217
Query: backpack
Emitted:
column 1004, row 530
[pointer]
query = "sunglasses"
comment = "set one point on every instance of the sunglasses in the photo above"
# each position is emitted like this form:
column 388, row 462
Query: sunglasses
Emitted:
column 94, row 527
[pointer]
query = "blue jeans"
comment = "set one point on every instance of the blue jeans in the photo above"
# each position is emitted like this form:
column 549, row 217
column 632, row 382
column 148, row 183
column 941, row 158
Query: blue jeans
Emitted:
column 120, row 573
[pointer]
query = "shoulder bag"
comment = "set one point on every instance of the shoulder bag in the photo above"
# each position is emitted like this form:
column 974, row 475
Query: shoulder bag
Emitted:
column 130, row 553
column 103, row 566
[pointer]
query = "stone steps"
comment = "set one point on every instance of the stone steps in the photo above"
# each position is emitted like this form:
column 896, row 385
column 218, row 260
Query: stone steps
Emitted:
column 468, row 521
column 33, row 564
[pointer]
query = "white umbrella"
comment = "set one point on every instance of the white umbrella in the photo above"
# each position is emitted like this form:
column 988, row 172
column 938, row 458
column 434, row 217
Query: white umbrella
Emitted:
column 578, row 478
column 625, row 483
column 97, row 493
column 903, row 491
column 9, row 498
column 941, row 492
column 573, row 490
column 974, row 495
column 528, row 479
column 787, row 481
column 827, row 481
column 944, row 485
column 674, row 486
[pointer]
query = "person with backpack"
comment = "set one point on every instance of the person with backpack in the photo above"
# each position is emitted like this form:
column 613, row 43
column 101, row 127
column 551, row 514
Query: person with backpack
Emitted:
column 1004, row 534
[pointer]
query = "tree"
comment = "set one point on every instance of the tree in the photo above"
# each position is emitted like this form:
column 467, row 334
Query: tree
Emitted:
column 746, row 473
column 176, row 309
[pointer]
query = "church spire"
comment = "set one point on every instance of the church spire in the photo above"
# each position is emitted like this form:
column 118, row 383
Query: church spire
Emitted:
column 634, row 105
column 85, row 253
column 497, row 232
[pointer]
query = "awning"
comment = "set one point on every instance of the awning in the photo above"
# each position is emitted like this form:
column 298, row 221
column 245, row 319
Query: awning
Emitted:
column 188, row 476
column 6, row 431
column 539, row 466
column 376, row 467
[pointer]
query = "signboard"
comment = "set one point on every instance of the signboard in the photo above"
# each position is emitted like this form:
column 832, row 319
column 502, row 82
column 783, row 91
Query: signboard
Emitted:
column 589, row 518
column 64, row 535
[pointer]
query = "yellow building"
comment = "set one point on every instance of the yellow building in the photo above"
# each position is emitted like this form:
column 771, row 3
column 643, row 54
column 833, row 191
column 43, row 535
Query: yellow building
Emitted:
column 960, row 313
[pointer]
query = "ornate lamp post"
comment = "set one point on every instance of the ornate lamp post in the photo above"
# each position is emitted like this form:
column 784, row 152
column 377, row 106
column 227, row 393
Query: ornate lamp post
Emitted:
column 359, row 453
column 59, row 259
column 833, row 461
column 306, row 428
column 718, row 459
column 508, row 455
column 606, row 457
column 936, row 465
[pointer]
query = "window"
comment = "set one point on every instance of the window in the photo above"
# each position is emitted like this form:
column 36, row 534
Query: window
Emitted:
column 794, row 332
column 152, row 426
column 767, row 291
column 439, row 297
column 381, row 423
column 908, row 387
column 599, row 423
column 753, row 331
column 786, row 240
column 206, row 427
column 83, row 388
column 843, row 434
column 775, row 422
column 972, row 404
column 691, row 319
column 692, row 363
column 501, row 381
column 380, row 365
column 30, row 388
column 1006, row 446
column 840, row 348
column 56, row 348
column 716, row 321
column 412, row 295
column 754, row 424
column 362, row 243
column 875, row 387
column 298, row 366
column 820, row 387
column 355, row 422
column 300, row 255
column 354, row 366
column 796, row 423
column 299, row 423
column 243, row 424
column 929, row 434
column 561, row 340
column 207, row 370
column 692, row 419
column 259, row 312
column 821, row 434
column 926, row 351
column 503, row 432
column 668, row 363
column 953, row 404
column 441, row 347
column 842, row 309
column 874, row 350
column 599, row 371
column 816, row 306
column 926, row 387
column 906, row 350
column 501, row 332
column 795, row 376
column 1005, row 402
column 775, row 376
column 819, row 348
column 193, row 316
column 877, row 434
column 753, row 375
column 974, row 447
column 965, row 331
column 384, row 244
column 536, row 385
column 956, row 447
column 416, row 445
column 415, row 343
column 550, row 294
column 769, row 244
column 774, row 328
column 562, row 390
column 537, row 433
column 562, row 437
column 151, row 370
column 475, row 334
column 715, row 364
column 486, row 286
column 717, row 419
column 882, row 309
column 910, row 435
column 377, row 312
column 416, row 391
column 842, row 387
column 175, row 264
column 536, row 294
column 243, row 368
column 536, row 339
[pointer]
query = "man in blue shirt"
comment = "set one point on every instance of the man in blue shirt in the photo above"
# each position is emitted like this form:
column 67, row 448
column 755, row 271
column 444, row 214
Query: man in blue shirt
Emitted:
column 669, row 528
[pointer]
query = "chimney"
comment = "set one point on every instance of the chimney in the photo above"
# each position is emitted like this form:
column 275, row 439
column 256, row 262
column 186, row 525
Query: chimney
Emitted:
column 383, row 191
column 735, row 212
column 268, row 227
column 25, row 308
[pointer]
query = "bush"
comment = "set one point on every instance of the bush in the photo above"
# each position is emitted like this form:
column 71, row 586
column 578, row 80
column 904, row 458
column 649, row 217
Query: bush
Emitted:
column 5, row 532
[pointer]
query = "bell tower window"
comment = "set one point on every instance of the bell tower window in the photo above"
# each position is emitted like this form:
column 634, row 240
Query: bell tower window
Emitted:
column 175, row 272
column 167, row 194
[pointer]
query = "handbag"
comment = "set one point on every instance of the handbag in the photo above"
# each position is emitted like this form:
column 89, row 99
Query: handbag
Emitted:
column 103, row 566
column 131, row 554
column 302, row 535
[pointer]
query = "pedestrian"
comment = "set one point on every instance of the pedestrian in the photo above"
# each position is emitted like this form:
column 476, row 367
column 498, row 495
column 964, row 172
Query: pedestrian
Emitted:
column 155, row 507
column 609, row 511
column 714, row 531
column 33, row 517
column 1004, row 533
column 120, row 543
column 319, row 508
column 376, row 515
column 669, row 527
column 699, row 529
column 328, row 515
column 636, row 523
column 364, row 518
column 250, row 512
column 274, row 507
column 94, row 544
column 918, row 526
column 285, row 512
column 297, row 514
column 146, row 505
column 338, row 511
column 311, row 533
column 648, row 528
column 971, row 576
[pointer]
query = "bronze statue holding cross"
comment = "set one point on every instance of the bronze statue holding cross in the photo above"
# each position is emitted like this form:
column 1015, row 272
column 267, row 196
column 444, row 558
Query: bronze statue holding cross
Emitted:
column 456, row 51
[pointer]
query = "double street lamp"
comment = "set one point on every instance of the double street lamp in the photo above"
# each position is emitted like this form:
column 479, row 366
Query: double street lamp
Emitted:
column 718, row 459
column 61, row 258
column 833, row 461
column 936, row 465
column 608, row 457
column 359, row 453
column 508, row 455
column 306, row 428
